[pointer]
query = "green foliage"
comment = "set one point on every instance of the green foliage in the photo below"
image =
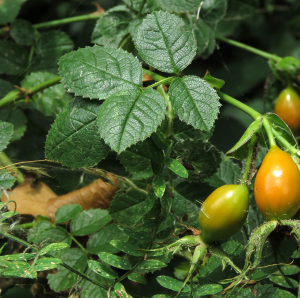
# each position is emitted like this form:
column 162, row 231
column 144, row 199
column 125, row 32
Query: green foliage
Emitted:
column 164, row 43
column 146, row 107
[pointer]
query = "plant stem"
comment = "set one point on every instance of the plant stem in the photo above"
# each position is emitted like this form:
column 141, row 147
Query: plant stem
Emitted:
column 269, row 132
column 251, row 112
column 18, row 95
column 248, row 164
column 166, row 81
column 284, row 142
column 79, row 245
column 155, row 76
column 5, row 161
column 81, row 18
column 170, row 111
column 9, row 236
column 250, row 49
column 27, row 225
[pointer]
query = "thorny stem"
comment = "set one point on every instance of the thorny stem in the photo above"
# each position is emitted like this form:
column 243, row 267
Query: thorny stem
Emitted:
column 155, row 76
column 252, row 144
column 5, row 161
column 249, row 49
column 16, row 95
column 9, row 236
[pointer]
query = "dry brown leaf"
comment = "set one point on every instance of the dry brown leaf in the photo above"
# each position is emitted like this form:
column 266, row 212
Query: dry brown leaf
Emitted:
column 39, row 199
column 147, row 77
column 96, row 195
column 30, row 199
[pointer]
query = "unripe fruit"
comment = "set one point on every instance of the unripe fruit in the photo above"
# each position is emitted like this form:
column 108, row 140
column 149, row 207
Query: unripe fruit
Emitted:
column 277, row 186
column 287, row 107
column 224, row 212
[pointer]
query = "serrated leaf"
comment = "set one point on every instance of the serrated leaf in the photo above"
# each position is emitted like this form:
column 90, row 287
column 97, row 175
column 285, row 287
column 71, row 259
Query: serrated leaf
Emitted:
column 126, row 247
column 114, row 260
column 73, row 139
column 17, row 119
column 67, row 212
column 178, row 6
column 194, row 191
column 6, row 180
column 172, row 283
column 22, row 32
column 164, row 42
column 130, row 116
column 112, row 26
column 210, row 289
column 213, row 82
column 53, row 247
column 50, row 47
column 45, row 264
column 228, row 173
column 240, row 150
column 98, row 72
column 195, row 101
column 64, row 279
column 203, row 156
column 137, row 160
column 176, row 167
column 137, row 278
column 89, row 221
column 101, row 240
column 102, row 269
column 9, row 10
column 51, row 100
column 6, row 131
column 128, row 208
column 159, row 185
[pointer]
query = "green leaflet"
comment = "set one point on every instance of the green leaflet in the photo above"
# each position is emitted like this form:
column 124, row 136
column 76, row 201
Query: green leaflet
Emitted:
column 73, row 139
column 130, row 116
column 195, row 101
column 6, row 131
column 98, row 72
column 165, row 43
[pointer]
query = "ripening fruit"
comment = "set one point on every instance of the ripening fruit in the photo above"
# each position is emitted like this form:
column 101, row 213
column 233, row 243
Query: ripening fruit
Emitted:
column 224, row 212
column 277, row 186
column 287, row 107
